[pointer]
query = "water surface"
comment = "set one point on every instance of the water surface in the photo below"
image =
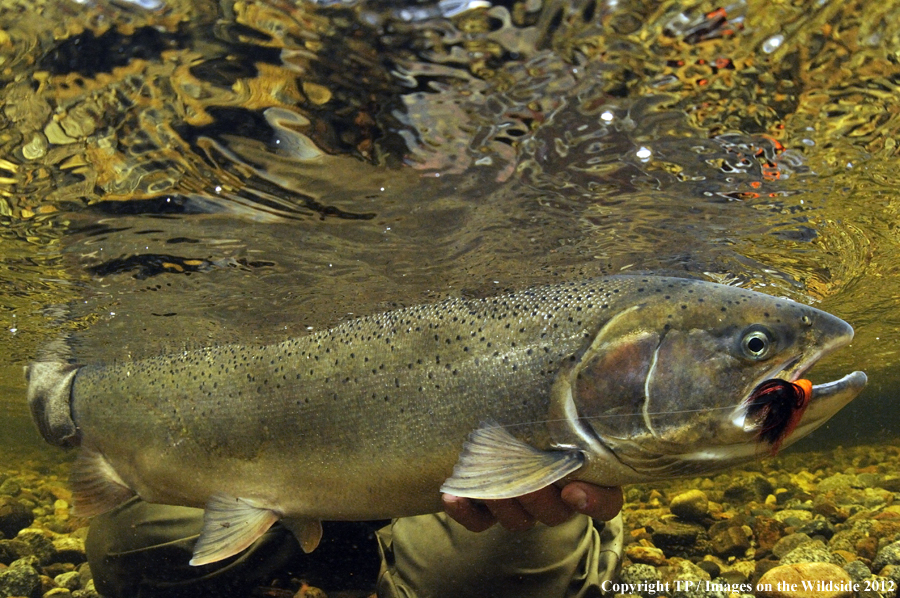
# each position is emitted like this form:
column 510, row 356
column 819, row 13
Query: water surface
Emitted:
column 179, row 174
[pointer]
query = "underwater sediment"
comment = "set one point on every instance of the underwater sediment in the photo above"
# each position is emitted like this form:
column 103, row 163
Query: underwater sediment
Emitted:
column 828, row 522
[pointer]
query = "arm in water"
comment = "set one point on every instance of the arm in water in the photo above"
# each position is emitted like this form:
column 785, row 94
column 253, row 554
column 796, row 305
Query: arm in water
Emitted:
column 551, row 506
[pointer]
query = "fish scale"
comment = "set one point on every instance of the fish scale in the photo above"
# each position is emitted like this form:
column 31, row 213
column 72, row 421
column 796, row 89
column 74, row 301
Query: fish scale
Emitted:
column 417, row 360
column 611, row 381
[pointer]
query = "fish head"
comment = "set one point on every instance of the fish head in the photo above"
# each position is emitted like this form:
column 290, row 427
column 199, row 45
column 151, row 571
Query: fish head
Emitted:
column 674, row 385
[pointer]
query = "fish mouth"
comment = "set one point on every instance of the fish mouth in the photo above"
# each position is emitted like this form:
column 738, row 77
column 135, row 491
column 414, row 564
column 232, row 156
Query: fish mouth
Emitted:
column 827, row 399
column 784, row 413
column 835, row 335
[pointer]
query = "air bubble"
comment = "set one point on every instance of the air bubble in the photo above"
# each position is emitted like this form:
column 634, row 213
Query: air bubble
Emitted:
column 773, row 43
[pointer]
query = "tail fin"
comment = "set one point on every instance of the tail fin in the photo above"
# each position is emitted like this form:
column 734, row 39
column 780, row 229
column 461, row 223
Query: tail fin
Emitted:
column 49, row 394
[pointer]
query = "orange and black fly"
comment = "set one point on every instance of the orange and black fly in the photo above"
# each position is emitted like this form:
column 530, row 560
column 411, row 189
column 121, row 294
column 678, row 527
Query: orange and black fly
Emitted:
column 778, row 405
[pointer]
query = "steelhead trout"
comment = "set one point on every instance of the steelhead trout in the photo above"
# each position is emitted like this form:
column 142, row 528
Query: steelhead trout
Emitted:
column 612, row 381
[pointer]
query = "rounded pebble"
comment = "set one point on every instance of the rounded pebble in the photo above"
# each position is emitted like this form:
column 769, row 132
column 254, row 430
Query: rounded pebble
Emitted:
column 748, row 487
column 824, row 580
column 814, row 551
column 729, row 540
column 41, row 546
column 788, row 543
column 10, row 487
column 889, row 555
column 692, row 505
column 20, row 579
column 649, row 555
column 640, row 573
column 70, row 580
column 69, row 549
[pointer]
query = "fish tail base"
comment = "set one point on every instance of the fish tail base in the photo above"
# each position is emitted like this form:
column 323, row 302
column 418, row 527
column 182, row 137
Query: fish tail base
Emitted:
column 49, row 397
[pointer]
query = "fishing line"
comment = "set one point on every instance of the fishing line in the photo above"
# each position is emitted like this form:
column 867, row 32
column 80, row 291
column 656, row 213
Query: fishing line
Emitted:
column 612, row 415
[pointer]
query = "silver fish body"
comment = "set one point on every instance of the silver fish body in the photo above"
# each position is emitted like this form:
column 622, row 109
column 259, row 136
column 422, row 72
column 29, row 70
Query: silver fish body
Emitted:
column 614, row 380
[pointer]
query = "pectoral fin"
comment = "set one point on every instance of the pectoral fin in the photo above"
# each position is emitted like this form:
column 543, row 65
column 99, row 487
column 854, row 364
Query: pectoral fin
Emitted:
column 307, row 531
column 96, row 487
column 230, row 525
column 495, row 464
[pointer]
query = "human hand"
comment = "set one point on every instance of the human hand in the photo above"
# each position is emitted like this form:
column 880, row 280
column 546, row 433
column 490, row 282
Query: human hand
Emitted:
column 551, row 506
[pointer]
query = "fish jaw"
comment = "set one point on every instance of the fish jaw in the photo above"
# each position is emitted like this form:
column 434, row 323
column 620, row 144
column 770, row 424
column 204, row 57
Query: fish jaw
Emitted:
column 827, row 399
column 835, row 334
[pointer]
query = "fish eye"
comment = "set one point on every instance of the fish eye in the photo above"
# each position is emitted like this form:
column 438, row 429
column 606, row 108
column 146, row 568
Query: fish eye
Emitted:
column 757, row 343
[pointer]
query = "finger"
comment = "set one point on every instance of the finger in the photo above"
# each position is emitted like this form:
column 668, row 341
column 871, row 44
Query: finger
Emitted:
column 597, row 501
column 547, row 506
column 472, row 516
column 510, row 514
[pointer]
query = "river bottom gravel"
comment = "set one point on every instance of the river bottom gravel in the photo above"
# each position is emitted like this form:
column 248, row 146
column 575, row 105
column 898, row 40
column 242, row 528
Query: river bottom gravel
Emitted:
column 823, row 524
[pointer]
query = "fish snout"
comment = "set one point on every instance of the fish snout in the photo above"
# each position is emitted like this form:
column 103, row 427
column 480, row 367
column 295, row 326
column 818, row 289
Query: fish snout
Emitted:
column 833, row 332
column 49, row 397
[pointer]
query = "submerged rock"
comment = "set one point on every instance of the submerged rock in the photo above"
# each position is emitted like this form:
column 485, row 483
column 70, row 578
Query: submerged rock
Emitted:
column 645, row 575
column 20, row 579
column 788, row 543
column 849, row 539
column 794, row 517
column 686, row 580
column 69, row 549
column 12, row 550
column 41, row 546
column 866, row 548
column 857, row 570
column 649, row 555
column 889, row 484
column 813, row 552
column 839, row 481
column 824, row 580
column 673, row 534
column 308, row 591
column 748, row 487
column 711, row 567
column 729, row 540
column 70, row 580
column 87, row 592
column 889, row 555
column 14, row 516
column 692, row 505
column 768, row 531
column 817, row 527
column 10, row 487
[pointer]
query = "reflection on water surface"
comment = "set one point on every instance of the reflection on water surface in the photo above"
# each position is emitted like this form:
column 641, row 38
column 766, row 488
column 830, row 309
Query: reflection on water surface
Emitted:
column 196, row 172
